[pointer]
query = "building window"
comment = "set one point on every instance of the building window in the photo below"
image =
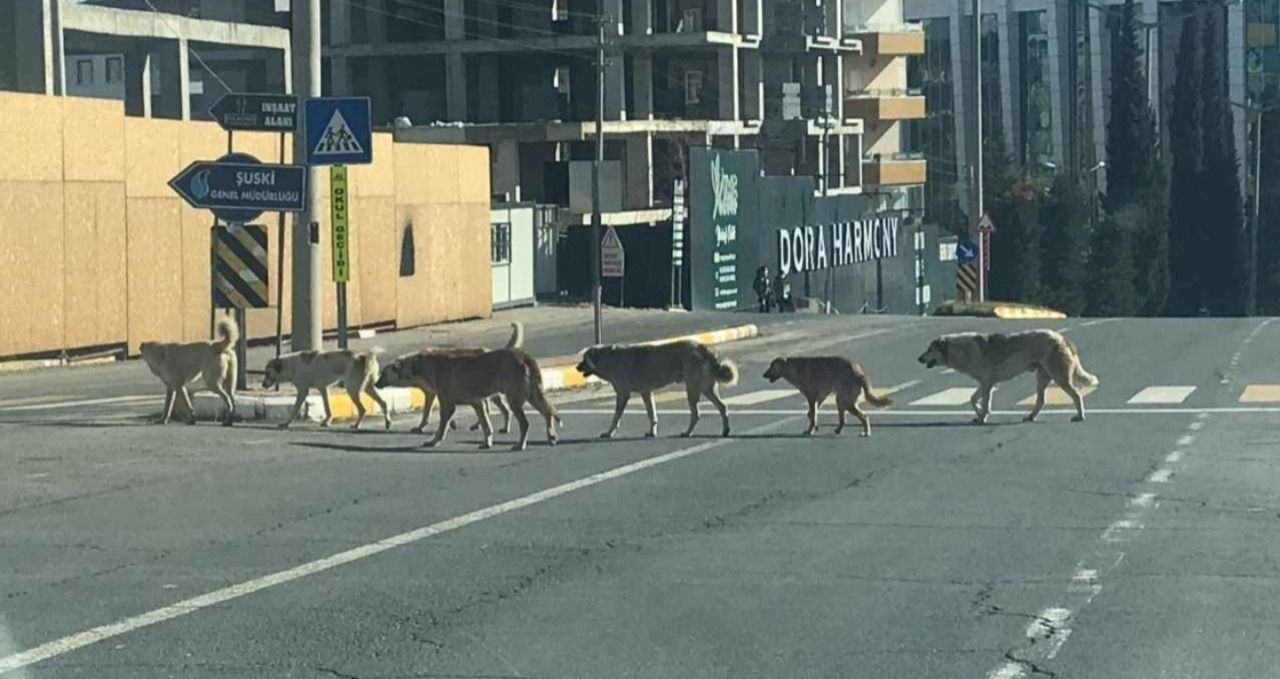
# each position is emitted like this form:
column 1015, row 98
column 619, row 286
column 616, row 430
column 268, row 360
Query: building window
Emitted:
column 115, row 69
column 1035, row 105
column 84, row 72
column 692, row 87
column 691, row 21
column 500, row 243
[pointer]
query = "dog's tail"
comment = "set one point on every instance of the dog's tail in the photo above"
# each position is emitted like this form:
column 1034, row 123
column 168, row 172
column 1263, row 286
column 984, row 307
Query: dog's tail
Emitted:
column 228, row 332
column 726, row 371
column 877, row 400
column 1083, row 377
column 517, row 336
column 367, row 365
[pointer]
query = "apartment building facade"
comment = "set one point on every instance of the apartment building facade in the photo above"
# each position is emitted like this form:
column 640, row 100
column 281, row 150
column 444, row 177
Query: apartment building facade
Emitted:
column 792, row 79
column 1046, row 83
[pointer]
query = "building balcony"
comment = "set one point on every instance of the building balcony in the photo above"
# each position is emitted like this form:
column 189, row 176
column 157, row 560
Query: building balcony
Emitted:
column 875, row 106
column 899, row 169
column 896, row 41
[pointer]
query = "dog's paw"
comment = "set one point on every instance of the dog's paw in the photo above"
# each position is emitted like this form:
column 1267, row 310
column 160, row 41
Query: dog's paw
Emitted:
column 724, row 433
column 415, row 430
column 552, row 440
column 475, row 426
column 865, row 435
column 518, row 447
column 487, row 445
column 430, row 444
column 506, row 429
column 1029, row 418
column 387, row 424
column 607, row 435
column 651, row 434
column 1078, row 418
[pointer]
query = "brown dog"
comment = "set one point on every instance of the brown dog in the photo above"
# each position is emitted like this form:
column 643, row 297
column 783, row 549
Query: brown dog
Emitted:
column 817, row 377
column 179, row 363
column 470, row 379
column 647, row 368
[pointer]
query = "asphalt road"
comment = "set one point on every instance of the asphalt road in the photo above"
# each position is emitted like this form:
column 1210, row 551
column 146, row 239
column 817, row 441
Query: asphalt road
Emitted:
column 1141, row 543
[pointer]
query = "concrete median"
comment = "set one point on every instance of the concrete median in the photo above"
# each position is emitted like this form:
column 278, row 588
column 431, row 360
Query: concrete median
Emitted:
column 558, row 374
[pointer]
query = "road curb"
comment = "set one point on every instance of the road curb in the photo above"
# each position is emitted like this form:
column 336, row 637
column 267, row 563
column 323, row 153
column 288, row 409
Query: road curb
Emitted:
column 1003, row 310
column 274, row 407
column 44, row 363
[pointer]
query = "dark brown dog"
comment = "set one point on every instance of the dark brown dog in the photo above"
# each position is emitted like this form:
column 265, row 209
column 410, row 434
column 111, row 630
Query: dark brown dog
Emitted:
column 817, row 377
column 471, row 378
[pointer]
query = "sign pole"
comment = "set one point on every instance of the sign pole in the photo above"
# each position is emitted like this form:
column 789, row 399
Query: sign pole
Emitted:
column 280, row 271
column 340, row 234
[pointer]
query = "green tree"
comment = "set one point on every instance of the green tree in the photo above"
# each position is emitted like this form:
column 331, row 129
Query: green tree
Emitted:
column 1111, row 273
column 1013, row 200
column 1151, row 248
column 1064, row 245
column 1223, row 227
column 1131, row 134
column 1269, row 217
column 1186, row 198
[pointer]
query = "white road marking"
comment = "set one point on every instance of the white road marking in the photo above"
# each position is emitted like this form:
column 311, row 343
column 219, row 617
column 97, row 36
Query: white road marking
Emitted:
column 1100, row 321
column 67, row 644
column 1119, row 530
column 633, row 410
column 901, row 387
column 754, row 397
column 1173, row 457
column 1143, row 500
column 1168, row 394
column 1185, row 440
column 1196, row 426
column 115, row 400
column 947, row 397
column 1009, row 670
column 948, row 371
column 1160, row 476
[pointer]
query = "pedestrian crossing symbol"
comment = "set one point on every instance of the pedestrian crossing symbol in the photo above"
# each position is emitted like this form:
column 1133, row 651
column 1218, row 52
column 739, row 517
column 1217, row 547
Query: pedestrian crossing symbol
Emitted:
column 338, row 131
column 337, row 139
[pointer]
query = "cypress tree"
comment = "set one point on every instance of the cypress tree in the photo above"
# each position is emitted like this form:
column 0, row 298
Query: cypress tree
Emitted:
column 1131, row 152
column 1187, row 159
column 1269, row 217
column 1110, row 287
column 1223, row 205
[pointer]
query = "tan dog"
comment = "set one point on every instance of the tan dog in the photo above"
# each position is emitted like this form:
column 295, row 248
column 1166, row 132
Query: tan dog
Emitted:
column 998, row 357
column 470, row 379
column 817, row 377
column 515, row 342
column 320, row 370
column 644, row 369
column 179, row 363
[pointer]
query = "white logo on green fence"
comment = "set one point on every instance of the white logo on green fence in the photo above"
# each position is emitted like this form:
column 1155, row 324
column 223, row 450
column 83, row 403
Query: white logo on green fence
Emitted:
column 337, row 139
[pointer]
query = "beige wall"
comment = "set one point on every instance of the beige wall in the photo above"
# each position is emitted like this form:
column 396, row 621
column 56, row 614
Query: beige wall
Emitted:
column 96, row 249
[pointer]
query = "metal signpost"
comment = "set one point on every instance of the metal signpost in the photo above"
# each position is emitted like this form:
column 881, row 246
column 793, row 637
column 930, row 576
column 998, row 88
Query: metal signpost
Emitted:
column 262, row 113
column 613, row 261
column 339, row 133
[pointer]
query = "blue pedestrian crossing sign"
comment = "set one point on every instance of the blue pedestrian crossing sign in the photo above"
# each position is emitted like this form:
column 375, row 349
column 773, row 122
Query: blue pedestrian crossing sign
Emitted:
column 966, row 251
column 338, row 131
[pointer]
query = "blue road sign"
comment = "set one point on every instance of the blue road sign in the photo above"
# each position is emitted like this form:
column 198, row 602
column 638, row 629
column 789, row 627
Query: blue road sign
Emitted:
column 238, row 187
column 966, row 251
column 338, row 131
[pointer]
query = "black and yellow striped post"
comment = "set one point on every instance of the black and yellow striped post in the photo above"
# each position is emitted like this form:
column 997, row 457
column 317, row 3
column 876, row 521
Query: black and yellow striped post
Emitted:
column 967, row 281
column 240, row 279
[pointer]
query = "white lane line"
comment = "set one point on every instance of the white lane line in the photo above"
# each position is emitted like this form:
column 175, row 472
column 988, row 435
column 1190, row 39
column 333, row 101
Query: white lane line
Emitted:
column 634, row 410
column 1143, row 501
column 754, row 397
column 1164, row 394
column 67, row 644
column 1119, row 531
column 1174, row 457
column 115, row 400
column 1196, row 426
column 901, row 387
column 948, row 371
column 947, row 397
column 1009, row 670
column 1185, row 440
column 1100, row 321
column 1160, row 476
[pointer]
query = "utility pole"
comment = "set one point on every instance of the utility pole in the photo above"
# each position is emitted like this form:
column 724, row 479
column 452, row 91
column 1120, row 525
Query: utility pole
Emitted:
column 979, row 208
column 307, row 333
column 595, row 181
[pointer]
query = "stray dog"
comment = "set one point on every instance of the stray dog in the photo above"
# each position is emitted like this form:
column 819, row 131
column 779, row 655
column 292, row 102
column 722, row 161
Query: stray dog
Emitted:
column 516, row 342
column 470, row 379
column 319, row 370
column 997, row 357
column 179, row 363
column 647, row 368
column 818, row 376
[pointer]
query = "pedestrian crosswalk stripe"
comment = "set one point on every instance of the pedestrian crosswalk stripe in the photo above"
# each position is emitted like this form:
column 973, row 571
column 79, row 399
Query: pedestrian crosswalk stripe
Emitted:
column 1163, row 394
column 754, row 397
column 1261, row 393
column 1055, row 396
column 946, row 397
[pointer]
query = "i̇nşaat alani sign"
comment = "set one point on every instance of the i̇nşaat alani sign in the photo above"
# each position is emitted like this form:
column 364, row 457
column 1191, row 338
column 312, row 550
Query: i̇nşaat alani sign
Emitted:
column 740, row 221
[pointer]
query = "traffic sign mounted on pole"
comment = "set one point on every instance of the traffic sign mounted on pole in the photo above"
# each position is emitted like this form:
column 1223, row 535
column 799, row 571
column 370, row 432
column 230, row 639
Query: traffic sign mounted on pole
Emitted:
column 966, row 251
column 238, row 187
column 240, row 267
column 256, row 112
column 613, row 257
column 338, row 131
